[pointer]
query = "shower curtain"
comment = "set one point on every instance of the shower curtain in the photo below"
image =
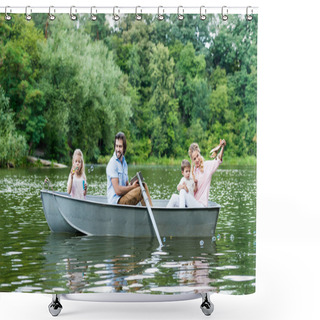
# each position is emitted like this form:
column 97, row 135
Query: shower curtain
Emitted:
column 166, row 83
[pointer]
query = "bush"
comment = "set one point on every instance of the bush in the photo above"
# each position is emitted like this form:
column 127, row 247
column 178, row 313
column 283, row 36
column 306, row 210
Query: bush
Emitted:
column 13, row 146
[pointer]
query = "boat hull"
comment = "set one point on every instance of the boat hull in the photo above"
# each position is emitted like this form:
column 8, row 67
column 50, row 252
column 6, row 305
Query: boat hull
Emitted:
column 55, row 220
column 94, row 216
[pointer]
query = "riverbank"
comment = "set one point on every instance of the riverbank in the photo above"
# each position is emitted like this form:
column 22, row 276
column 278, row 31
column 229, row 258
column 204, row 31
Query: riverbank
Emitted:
column 249, row 160
column 44, row 163
column 37, row 162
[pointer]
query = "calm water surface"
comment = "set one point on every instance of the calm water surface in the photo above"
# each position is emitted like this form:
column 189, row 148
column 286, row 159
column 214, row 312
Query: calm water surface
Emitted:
column 32, row 259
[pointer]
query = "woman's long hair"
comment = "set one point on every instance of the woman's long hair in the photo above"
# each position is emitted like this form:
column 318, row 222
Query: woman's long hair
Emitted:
column 195, row 147
column 78, row 152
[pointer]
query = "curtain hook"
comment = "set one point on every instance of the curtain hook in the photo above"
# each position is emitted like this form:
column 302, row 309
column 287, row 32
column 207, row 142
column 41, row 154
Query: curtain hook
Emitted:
column 160, row 16
column 249, row 17
column 180, row 15
column 93, row 16
column 203, row 16
column 51, row 16
column 73, row 17
column 138, row 16
column 224, row 15
column 116, row 17
column 7, row 16
column 28, row 16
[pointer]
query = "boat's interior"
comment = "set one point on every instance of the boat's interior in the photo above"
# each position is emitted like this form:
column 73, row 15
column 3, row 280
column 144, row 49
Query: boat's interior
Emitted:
column 157, row 203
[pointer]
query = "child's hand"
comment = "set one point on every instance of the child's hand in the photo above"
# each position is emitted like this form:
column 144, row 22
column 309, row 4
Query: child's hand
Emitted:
column 185, row 187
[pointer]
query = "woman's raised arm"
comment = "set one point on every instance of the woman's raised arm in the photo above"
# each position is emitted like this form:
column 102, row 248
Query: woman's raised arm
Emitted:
column 223, row 144
column 215, row 150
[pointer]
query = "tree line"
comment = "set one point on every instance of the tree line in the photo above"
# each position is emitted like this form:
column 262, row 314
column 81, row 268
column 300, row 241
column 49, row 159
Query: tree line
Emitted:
column 165, row 84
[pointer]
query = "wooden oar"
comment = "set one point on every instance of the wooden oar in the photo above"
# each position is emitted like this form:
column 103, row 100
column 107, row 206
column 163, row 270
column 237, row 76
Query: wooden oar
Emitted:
column 146, row 200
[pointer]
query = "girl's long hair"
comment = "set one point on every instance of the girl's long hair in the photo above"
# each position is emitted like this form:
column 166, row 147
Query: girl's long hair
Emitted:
column 78, row 152
column 195, row 147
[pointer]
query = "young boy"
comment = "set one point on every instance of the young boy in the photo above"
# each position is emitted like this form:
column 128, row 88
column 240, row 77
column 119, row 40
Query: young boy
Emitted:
column 186, row 187
column 186, row 182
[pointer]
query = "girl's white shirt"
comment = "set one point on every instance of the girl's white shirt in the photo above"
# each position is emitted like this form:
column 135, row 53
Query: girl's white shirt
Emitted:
column 189, row 183
column 77, row 186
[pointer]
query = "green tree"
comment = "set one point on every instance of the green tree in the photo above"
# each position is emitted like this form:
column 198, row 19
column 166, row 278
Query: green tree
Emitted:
column 245, row 91
column 13, row 146
column 132, row 46
column 99, row 29
column 234, row 43
column 191, row 88
column 190, row 29
column 163, row 104
column 219, row 99
column 87, row 99
column 19, row 76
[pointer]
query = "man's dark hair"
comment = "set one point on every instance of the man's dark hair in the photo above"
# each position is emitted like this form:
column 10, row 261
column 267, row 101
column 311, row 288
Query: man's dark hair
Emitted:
column 121, row 136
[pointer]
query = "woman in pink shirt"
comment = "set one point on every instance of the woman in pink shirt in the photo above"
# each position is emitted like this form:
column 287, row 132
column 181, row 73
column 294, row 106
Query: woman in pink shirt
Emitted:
column 202, row 171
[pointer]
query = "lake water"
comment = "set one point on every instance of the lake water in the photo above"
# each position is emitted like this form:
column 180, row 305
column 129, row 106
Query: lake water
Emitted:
column 33, row 259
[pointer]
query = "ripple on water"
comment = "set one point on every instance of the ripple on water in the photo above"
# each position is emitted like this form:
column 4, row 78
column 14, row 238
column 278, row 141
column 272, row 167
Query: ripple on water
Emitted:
column 151, row 270
column 239, row 278
column 102, row 272
column 227, row 268
column 11, row 253
column 171, row 265
column 160, row 253
column 99, row 266
column 139, row 277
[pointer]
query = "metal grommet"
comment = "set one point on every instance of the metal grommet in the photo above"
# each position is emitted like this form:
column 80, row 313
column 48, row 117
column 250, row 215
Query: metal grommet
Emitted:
column 7, row 16
column 116, row 17
column 180, row 15
column 93, row 16
column 160, row 16
column 249, row 17
column 138, row 16
column 203, row 16
column 223, row 14
column 73, row 17
column 28, row 15
column 51, row 16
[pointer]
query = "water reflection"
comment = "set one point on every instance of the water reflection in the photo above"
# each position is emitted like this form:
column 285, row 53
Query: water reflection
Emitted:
column 113, row 264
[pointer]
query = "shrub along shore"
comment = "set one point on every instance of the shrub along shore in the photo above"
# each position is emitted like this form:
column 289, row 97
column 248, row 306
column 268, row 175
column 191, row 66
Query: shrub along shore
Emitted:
column 41, row 163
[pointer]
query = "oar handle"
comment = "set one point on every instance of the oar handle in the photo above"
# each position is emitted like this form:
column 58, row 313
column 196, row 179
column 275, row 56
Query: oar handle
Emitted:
column 146, row 200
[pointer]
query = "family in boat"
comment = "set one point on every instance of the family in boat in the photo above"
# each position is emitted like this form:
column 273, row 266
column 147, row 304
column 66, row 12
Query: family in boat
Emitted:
column 193, row 187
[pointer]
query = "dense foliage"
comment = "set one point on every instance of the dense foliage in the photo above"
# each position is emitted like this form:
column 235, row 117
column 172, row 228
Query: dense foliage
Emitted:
column 13, row 146
column 67, row 85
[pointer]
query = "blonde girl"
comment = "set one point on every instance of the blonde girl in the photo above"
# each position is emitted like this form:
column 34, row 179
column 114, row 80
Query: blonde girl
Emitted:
column 77, row 182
